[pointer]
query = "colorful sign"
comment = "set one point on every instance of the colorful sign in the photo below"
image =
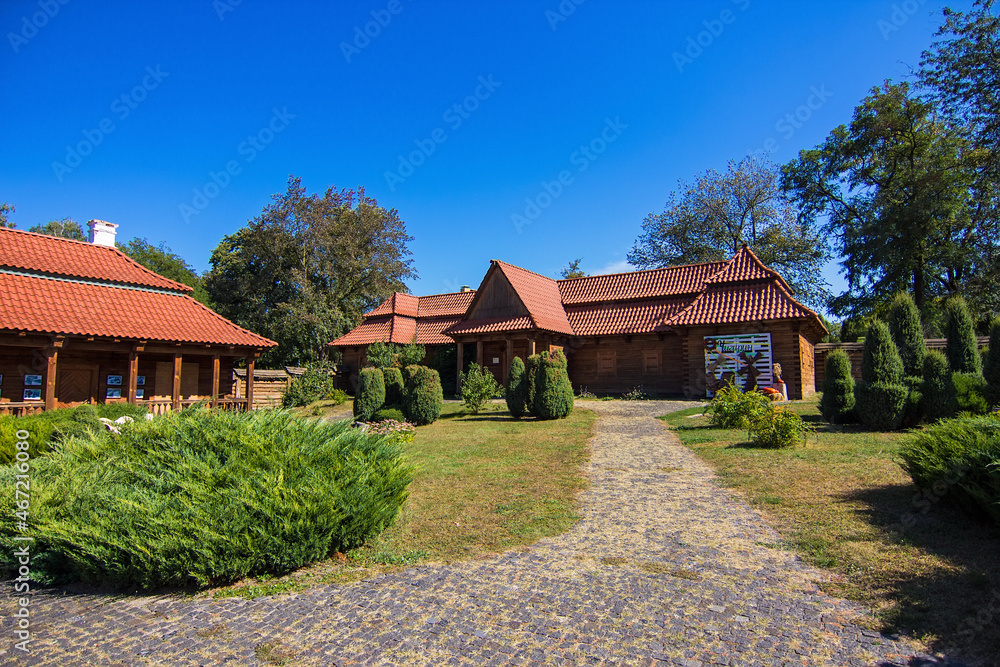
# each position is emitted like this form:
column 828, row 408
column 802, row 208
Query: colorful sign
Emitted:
column 743, row 359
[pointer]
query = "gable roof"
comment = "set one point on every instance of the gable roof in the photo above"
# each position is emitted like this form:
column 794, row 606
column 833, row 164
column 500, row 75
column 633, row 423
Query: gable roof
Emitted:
column 51, row 285
column 402, row 316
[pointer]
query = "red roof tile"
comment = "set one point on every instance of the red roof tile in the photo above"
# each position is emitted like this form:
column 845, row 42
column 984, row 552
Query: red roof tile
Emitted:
column 669, row 281
column 60, row 306
column 745, row 303
column 645, row 316
column 491, row 325
column 38, row 253
column 745, row 266
column 454, row 303
column 540, row 296
column 430, row 330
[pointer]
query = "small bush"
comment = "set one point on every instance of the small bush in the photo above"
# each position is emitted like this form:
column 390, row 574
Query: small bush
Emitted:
column 411, row 355
column 938, row 389
column 531, row 376
column 380, row 355
column 553, row 391
column 315, row 383
column 959, row 460
column 393, row 386
column 423, row 399
column 776, row 428
column 388, row 414
column 478, row 387
column 970, row 393
column 881, row 406
column 838, row 388
column 517, row 389
column 732, row 408
column 338, row 396
column 371, row 393
column 963, row 348
column 635, row 394
column 40, row 436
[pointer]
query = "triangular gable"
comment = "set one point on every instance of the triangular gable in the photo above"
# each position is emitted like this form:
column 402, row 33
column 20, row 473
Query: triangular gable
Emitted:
column 496, row 298
column 540, row 295
column 745, row 266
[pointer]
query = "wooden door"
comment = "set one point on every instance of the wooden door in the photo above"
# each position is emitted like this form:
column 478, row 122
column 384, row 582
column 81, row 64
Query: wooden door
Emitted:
column 75, row 385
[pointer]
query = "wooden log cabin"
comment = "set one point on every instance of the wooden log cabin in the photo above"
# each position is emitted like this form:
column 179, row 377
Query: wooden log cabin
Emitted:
column 682, row 330
column 82, row 322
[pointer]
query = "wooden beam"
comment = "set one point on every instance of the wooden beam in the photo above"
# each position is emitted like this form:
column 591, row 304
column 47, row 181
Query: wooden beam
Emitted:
column 531, row 346
column 176, row 391
column 250, row 366
column 52, row 354
column 458, row 372
column 133, row 374
column 479, row 352
column 216, row 371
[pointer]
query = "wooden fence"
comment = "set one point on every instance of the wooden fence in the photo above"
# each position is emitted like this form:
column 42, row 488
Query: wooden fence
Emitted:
column 856, row 350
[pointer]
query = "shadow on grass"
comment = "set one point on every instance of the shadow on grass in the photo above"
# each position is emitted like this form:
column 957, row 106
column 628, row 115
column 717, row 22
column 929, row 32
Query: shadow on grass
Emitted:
column 959, row 602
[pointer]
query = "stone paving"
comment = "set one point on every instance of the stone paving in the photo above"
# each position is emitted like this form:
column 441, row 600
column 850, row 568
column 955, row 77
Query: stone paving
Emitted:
column 665, row 568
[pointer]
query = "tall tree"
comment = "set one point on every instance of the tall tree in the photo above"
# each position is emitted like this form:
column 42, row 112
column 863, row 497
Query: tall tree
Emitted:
column 896, row 189
column 66, row 228
column 711, row 218
column 164, row 261
column 573, row 270
column 5, row 209
column 303, row 271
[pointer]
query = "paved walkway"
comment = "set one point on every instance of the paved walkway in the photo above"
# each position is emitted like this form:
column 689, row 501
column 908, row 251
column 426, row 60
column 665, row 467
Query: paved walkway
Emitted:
column 664, row 568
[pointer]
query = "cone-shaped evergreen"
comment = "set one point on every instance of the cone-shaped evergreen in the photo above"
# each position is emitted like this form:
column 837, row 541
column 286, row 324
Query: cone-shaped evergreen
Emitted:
column 393, row 386
column 880, row 361
column 423, row 398
column 904, row 325
column 553, row 391
column 939, row 391
column 881, row 398
column 991, row 369
column 517, row 389
column 371, row 393
column 838, row 387
column 530, row 374
column 962, row 350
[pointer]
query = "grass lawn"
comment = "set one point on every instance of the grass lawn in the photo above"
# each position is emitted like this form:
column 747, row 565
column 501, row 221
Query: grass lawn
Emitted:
column 844, row 503
column 485, row 483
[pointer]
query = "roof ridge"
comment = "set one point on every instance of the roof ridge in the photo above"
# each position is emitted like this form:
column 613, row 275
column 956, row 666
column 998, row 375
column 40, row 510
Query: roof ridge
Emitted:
column 659, row 268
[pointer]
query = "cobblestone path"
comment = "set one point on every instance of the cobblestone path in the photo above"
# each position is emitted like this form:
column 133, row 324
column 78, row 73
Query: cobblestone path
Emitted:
column 664, row 568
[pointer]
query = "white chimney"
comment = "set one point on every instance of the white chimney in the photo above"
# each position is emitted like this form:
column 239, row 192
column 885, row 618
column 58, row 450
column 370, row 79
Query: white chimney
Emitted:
column 102, row 232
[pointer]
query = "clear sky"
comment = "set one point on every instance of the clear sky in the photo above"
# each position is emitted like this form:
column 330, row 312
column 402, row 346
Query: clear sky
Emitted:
column 178, row 120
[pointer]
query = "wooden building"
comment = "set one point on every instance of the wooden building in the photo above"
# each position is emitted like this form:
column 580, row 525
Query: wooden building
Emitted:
column 682, row 330
column 82, row 322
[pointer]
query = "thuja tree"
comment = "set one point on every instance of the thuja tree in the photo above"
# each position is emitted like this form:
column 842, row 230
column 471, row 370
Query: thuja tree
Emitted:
column 553, row 390
column 939, row 392
column 393, row 386
column 530, row 374
column 423, row 398
column 371, row 393
column 881, row 395
column 962, row 350
column 907, row 333
column 838, row 388
column 517, row 389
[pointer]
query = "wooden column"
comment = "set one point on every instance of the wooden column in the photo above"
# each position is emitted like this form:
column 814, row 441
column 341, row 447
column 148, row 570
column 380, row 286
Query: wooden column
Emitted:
column 479, row 352
column 510, row 357
column 216, row 371
column 133, row 374
column 531, row 346
column 250, row 365
column 52, row 355
column 176, row 390
column 458, row 372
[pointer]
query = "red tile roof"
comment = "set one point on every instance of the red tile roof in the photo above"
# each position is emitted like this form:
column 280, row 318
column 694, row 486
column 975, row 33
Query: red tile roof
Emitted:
column 38, row 253
column 492, row 324
column 540, row 296
column 750, row 303
column 746, row 266
column 399, row 317
column 669, row 281
column 646, row 316
column 455, row 303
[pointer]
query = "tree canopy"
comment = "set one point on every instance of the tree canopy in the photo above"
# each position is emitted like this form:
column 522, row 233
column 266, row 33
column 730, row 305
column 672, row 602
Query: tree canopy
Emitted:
column 305, row 269
column 168, row 264
column 711, row 218
column 573, row 270
column 6, row 209
column 66, row 228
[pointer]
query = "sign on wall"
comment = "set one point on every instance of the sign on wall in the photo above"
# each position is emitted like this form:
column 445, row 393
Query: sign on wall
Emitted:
column 743, row 359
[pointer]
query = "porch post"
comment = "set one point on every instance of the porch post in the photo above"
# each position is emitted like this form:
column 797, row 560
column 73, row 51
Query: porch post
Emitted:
column 510, row 358
column 531, row 346
column 252, row 362
column 176, row 392
column 479, row 352
column 133, row 374
column 216, row 369
column 52, row 354
column 458, row 372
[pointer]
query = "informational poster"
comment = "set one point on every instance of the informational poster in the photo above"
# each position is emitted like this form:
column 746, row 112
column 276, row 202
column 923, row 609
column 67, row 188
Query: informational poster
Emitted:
column 743, row 359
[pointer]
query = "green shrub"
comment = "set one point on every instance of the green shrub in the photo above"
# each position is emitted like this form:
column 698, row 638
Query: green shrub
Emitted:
column 205, row 497
column 393, row 413
column 906, row 332
column 478, row 387
column 880, row 361
column 838, row 388
column 423, row 398
column 735, row 409
column 881, row 406
column 970, row 393
column 777, row 427
column 991, row 365
column 338, row 396
column 958, row 460
column 411, row 355
column 40, row 436
column 553, row 391
column 963, row 349
column 939, row 399
column 517, row 389
column 531, row 376
column 370, row 395
column 315, row 383
column 393, row 386
column 380, row 355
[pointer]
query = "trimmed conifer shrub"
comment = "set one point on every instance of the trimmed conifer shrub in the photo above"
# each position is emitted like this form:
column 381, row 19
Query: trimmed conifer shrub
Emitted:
column 838, row 388
column 963, row 349
column 553, row 391
column 371, row 393
column 205, row 497
column 517, row 389
column 904, row 326
column 991, row 366
column 970, row 393
column 881, row 397
column 531, row 376
column 423, row 398
column 938, row 390
column 393, row 385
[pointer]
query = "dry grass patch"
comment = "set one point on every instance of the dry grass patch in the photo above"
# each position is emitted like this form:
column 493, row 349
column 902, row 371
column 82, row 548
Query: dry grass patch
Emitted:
column 844, row 503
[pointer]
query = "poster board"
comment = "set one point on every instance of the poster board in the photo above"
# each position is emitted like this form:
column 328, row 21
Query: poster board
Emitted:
column 744, row 359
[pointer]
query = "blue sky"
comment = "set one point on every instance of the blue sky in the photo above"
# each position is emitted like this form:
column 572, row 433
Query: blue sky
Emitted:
column 178, row 121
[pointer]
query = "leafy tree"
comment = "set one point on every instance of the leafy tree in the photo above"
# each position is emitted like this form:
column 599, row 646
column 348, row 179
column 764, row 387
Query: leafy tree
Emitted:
column 167, row 263
column 66, row 228
column 573, row 270
column 963, row 348
column 713, row 217
column 896, row 188
column 5, row 209
column 411, row 354
column 478, row 387
column 838, row 387
column 305, row 269
column 380, row 355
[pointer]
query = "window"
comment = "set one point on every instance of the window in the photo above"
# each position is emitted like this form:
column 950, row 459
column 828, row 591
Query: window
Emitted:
column 650, row 362
column 606, row 362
